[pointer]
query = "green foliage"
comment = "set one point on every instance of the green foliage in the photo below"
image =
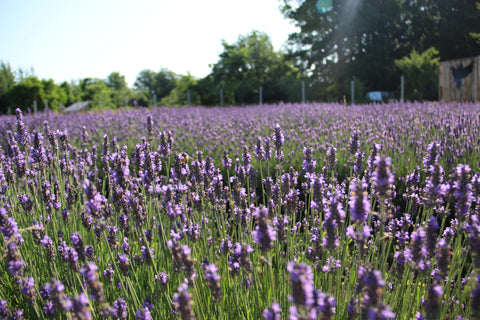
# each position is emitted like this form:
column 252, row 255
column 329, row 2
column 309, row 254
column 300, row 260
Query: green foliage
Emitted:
column 69, row 92
column 23, row 94
column 120, row 94
column 7, row 80
column 246, row 65
column 54, row 94
column 100, row 95
column 179, row 95
column 160, row 83
column 476, row 35
column 362, row 39
column 421, row 74
column 116, row 81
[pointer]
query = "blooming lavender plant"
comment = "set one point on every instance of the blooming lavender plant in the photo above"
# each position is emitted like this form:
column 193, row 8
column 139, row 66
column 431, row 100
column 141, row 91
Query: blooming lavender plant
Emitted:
column 183, row 303
column 264, row 234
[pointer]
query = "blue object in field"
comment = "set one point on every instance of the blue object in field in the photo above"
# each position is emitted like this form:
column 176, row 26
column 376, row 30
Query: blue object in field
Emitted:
column 323, row 6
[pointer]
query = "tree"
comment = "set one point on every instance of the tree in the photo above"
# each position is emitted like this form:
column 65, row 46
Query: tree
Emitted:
column 179, row 95
column 23, row 94
column 473, row 34
column 97, row 91
column 69, row 92
column 159, row 83
column 421, row 74
column 354, row 39
column 54, row 94
column 362, row 39
column 7, row 80
column 116, row 81
column 246, row 65
column 120, row 92
column 445, row 25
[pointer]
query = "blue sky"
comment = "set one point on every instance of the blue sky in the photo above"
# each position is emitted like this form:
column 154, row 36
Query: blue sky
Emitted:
column 70, row 40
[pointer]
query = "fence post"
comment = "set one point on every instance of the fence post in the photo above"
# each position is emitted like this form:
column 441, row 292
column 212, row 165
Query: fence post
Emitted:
column 260, row 95
column 303, row 91
column 46, row 104
column 352, row 86
column 402, row 88
column 475, row 79
column 221, row 97
column 188, row 98
column 35, row 106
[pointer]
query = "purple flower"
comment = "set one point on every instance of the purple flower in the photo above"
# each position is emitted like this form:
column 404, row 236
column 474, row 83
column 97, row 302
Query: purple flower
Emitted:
column 264, row 234
column 359, row 204
column 15, row 263
column 431, row 157
column 120, row 309
column 80, row 307
column 435, row 189
column 123, row 263
column 37, row 152
column 475, row 298
column 213, row 280
column 143, row 314
column 309, row 162
column 55, row 290
column 324, row 304
column 89, row 271
column 162, row 278
column 418, row 250
column 301, row 280
column 108, row 273
column 331, row 159
column 273, row 312
column 126, row 245
column 354, row 142
column 9, row 227
column 225, row 246
column 371, row 283
column 433, row 302
column 278, row 140
column 26, row 202
column 358, row 164
column 431, row 236
column 4, row 312
column 48, row 308
column 259, row 150
column 183, row 303
column 383, row 178
column 240, row 259
column 28, row 289
column 22, row 136
column 78, row 245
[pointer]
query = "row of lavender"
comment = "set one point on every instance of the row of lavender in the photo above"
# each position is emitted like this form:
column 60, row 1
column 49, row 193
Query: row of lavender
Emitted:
column 336, row 212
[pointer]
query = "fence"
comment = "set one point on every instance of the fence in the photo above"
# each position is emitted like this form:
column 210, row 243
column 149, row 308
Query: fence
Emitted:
column 459, row 79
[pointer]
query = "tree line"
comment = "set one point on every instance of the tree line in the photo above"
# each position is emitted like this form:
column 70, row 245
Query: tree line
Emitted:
column 376, row 41
column 372, row 42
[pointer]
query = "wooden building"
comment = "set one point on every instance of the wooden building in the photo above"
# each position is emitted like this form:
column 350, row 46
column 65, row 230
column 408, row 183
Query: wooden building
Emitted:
column 459, row 79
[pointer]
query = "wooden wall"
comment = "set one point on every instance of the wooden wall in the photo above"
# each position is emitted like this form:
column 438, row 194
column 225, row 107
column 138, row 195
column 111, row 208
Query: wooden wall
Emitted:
column 460, row 89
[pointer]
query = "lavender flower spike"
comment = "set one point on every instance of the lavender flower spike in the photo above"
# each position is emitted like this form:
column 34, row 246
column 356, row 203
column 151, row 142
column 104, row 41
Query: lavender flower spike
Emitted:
column 359, row 203
column 273, row 312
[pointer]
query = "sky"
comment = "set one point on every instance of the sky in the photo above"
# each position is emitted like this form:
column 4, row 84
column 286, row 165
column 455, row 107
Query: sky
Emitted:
column 70, row 40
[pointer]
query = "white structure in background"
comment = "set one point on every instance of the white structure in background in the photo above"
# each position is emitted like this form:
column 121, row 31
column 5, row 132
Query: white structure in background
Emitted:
column 380, row 96
column 77, row 106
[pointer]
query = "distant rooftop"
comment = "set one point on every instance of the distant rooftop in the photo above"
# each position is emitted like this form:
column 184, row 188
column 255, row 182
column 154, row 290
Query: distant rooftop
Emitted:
column 77, row 106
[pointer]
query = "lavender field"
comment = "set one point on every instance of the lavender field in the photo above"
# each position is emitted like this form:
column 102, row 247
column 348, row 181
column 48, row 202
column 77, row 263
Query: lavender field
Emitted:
column 290, row 211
